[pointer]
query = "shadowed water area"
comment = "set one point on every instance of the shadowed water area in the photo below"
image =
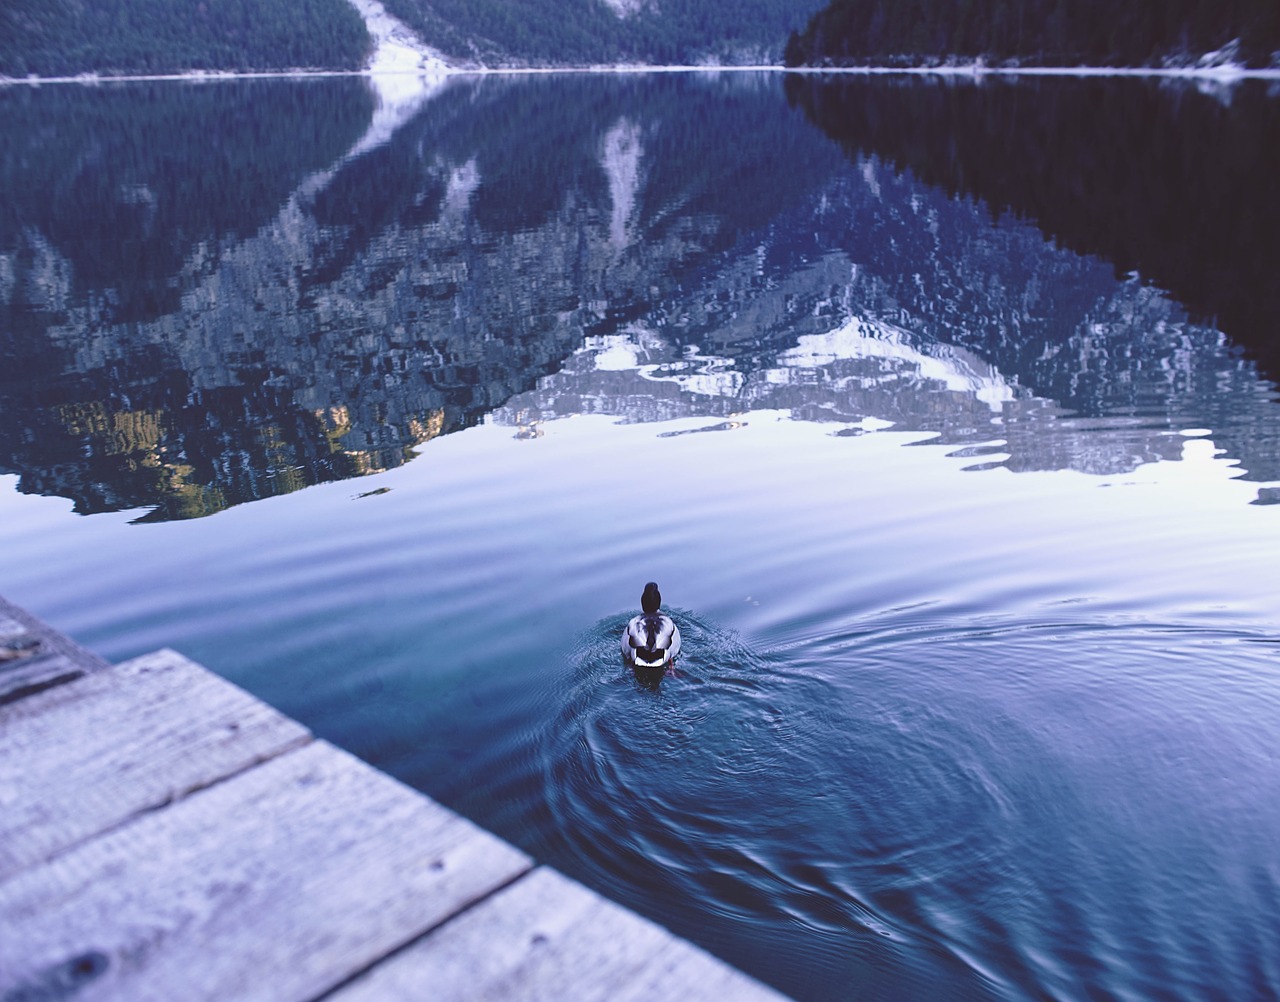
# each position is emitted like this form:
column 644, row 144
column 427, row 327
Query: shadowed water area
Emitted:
column 943, row 414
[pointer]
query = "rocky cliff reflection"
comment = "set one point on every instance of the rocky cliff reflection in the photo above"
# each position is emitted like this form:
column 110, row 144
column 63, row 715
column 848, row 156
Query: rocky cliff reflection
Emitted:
column 301, row 284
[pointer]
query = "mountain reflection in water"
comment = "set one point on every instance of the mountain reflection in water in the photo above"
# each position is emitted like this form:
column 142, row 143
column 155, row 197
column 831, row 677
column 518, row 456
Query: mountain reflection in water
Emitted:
column 199, row 316
column 946, row 726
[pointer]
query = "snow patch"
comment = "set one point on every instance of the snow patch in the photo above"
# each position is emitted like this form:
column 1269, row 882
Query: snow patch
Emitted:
column 1225, row 58
column 397, row 48
column 625, row 8
column 620, row 157
column 400, row 98
column 957, row 369
column 462, row 183
column 616, row 353
column 869, row 177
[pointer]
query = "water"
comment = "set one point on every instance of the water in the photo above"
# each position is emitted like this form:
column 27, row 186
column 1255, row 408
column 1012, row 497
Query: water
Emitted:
column 962, row 493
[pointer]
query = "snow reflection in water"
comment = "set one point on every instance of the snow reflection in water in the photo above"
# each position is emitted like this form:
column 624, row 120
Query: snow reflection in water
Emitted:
column 979, row 616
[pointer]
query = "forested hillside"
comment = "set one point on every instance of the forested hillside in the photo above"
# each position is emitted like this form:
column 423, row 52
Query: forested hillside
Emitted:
column 66, row 37
column 1038, row 32
column 63, row 37
column 584, row 32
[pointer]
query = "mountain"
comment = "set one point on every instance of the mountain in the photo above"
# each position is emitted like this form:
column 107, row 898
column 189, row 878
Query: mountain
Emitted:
column 115, row 37
column 1040, row 33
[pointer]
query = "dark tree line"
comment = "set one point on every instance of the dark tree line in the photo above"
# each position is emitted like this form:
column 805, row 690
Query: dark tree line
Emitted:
column 66, row 37
column 63, row 37
column 1037, row 32
column 124, row 182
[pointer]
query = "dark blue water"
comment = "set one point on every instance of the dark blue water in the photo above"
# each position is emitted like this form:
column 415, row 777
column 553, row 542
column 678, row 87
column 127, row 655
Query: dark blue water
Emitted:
column 962, row 493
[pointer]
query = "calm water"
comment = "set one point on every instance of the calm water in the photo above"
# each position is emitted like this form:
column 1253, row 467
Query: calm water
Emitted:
column 943, row 415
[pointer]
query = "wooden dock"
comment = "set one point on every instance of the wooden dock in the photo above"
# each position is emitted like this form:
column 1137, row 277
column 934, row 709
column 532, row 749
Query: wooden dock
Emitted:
column 166, row 836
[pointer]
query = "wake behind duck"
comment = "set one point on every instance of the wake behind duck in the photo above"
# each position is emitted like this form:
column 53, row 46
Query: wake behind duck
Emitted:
column 651, row 641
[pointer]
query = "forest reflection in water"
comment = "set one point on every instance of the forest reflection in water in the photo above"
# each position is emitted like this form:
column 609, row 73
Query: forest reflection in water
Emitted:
column 953, row 721
column 201, row 307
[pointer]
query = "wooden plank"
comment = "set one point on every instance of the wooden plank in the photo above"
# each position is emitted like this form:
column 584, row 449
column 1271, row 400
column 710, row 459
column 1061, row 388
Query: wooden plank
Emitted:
column 165, row 835
column 34, row 658
column 80, row 758
column 34, row 673
column 275, row 885
column 18, row 620
column 548, row 938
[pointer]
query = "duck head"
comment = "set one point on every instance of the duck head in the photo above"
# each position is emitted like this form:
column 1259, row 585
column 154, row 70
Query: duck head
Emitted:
column 651, row 599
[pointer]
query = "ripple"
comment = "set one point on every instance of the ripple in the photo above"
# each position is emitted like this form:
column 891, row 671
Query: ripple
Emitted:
column 991, row 798
column 739, row 787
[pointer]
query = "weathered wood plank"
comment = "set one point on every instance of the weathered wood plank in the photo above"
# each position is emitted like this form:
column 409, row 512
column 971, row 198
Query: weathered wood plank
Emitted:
column 83, row 757
column 34, row 673
column 548, row 938
column 15, row 620
column 276, row 885
column 165, row 835
column 34, row 658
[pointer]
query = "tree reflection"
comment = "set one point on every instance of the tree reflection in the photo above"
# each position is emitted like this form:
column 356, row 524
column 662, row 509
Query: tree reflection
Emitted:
column 280, row 291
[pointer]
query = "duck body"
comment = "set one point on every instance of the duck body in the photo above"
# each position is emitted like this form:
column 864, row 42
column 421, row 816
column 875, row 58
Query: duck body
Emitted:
column 651, row 640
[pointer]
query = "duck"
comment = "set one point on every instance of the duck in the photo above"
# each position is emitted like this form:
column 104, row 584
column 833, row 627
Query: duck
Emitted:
column 651, row 639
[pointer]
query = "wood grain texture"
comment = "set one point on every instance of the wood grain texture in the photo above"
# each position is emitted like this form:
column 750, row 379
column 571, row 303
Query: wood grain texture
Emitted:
column 85, row 756
column 17, row 620
column 276, row 885
column 34, row 673
column 34, row 657
column 548, row 938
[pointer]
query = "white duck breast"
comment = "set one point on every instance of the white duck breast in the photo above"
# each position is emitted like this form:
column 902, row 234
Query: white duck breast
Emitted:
column 651, row 640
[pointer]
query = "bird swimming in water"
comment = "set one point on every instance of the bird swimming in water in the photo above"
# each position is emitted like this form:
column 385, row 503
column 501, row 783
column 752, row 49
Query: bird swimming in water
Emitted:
column 651, row 639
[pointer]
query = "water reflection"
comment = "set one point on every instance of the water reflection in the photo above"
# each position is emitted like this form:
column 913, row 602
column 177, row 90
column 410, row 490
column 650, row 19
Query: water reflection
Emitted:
column 211, row 295
column 1163, row 179
column 861, row 377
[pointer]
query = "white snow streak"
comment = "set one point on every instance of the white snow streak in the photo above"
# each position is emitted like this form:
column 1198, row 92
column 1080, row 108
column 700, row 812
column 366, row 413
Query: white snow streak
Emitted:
column 954, row 367
column 462, row 183
column 620, row 157
column 397, row 48
column 625, row 8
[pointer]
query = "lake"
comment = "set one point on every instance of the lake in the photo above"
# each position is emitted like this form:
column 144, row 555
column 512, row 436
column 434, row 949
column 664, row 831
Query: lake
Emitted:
column 944, row 413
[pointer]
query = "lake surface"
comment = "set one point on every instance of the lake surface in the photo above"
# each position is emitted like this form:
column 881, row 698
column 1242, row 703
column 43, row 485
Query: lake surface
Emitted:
column 943, row 414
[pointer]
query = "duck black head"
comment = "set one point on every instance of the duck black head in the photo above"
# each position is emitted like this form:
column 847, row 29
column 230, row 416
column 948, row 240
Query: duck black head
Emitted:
column 651, row 599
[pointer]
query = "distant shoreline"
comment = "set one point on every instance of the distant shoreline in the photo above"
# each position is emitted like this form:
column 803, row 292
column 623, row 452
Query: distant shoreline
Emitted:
column 1217, row 74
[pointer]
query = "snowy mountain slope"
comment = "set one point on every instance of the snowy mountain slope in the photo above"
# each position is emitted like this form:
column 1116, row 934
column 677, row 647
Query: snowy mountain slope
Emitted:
column 595, row 32
column 396, row 47
column 149, row 37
